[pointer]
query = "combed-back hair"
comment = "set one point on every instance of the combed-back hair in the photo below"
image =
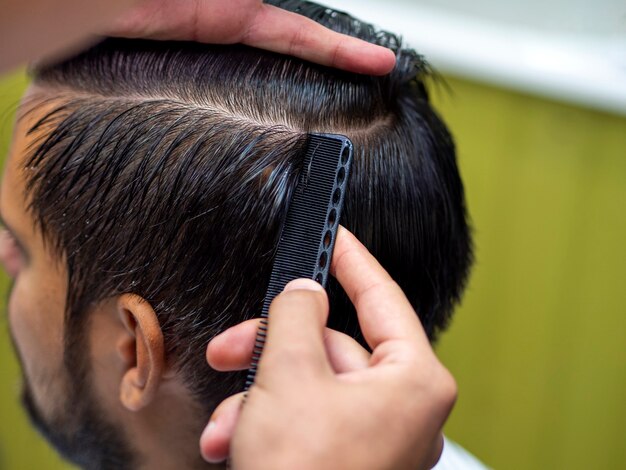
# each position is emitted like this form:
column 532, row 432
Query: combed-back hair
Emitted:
column 165, row 169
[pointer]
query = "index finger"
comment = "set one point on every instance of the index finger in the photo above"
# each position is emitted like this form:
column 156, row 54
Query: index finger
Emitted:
column 384, row 311
column 289, row 33
column 263, row 26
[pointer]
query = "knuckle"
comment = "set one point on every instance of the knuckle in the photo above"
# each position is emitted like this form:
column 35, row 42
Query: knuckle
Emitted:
column 370, row 293
column 436, row 382
column 296, row 43
column 447, row 388
column 336, row 52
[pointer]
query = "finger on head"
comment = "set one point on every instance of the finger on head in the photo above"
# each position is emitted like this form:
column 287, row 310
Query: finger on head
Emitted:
column 285, row 32
column 154, row 19
column 232, row 349
column 216, row 438
column 295, row 334
column 211, row 22
column 383, row 310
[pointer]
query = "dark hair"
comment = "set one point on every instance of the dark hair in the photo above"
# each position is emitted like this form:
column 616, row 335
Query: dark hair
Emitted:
column 167, row 170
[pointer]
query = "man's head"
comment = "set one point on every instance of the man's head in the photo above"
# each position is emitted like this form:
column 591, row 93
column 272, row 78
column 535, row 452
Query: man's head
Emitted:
column 146, row 187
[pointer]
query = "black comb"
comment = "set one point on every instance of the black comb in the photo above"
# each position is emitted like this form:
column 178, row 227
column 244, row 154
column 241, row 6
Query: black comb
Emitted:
column 308, row 235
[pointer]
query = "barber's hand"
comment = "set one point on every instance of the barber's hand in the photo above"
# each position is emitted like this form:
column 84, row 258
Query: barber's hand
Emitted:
column 253, row 23
column 51, row 28
column 322, row 401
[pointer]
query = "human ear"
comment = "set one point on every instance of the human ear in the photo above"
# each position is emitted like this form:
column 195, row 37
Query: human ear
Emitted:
column 143, row 351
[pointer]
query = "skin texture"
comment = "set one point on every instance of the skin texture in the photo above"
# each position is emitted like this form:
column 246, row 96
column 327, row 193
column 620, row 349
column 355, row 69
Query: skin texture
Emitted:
column 51, row 29
column 132, row 383
column 343, row 397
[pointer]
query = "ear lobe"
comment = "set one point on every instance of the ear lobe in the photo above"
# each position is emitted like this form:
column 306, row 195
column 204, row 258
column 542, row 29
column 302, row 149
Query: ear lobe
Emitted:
column 146, row 360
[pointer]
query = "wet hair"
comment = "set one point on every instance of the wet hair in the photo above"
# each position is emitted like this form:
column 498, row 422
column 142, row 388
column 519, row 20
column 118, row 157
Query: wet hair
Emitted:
column 165, row 169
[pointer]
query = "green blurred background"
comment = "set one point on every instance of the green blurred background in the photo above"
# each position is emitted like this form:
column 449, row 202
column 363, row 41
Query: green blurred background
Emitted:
column 538, row 346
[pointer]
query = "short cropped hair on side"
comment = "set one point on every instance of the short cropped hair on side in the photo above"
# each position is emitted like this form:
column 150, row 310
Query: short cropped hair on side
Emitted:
column 168, row 167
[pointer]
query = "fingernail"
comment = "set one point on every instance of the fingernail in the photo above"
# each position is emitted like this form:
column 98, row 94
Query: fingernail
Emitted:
column 306, row 284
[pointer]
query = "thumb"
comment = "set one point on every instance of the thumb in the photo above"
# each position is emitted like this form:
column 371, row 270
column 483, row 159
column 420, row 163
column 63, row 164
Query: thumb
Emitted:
column 295, row 334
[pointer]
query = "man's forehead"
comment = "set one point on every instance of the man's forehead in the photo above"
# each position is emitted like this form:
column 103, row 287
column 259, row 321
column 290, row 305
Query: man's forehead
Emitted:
column 12, row 182
column 35, row 105
column 14, row 201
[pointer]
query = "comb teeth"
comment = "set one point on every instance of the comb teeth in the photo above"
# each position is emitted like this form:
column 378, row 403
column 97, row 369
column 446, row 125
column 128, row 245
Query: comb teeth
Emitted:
column 308, row 235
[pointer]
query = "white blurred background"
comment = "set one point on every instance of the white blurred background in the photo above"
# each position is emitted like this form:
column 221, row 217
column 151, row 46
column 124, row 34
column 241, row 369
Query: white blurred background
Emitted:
column 567, row 50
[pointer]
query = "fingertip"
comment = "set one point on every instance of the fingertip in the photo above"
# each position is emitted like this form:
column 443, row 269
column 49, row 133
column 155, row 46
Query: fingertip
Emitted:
column 388, row 64
column 217, row 347
column 299, row 291
column 216, row 437
column 214, row 443
column 302, row 288
column 383, row 61
column 295, row 338
column 232, row 348
column 343, row 234
column 368, row 59
column 212, row 351
column 304, row 284
column 209, row 445
column 346, row 241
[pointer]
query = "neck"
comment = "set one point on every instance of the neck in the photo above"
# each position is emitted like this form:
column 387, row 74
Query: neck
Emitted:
column 167, row 433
